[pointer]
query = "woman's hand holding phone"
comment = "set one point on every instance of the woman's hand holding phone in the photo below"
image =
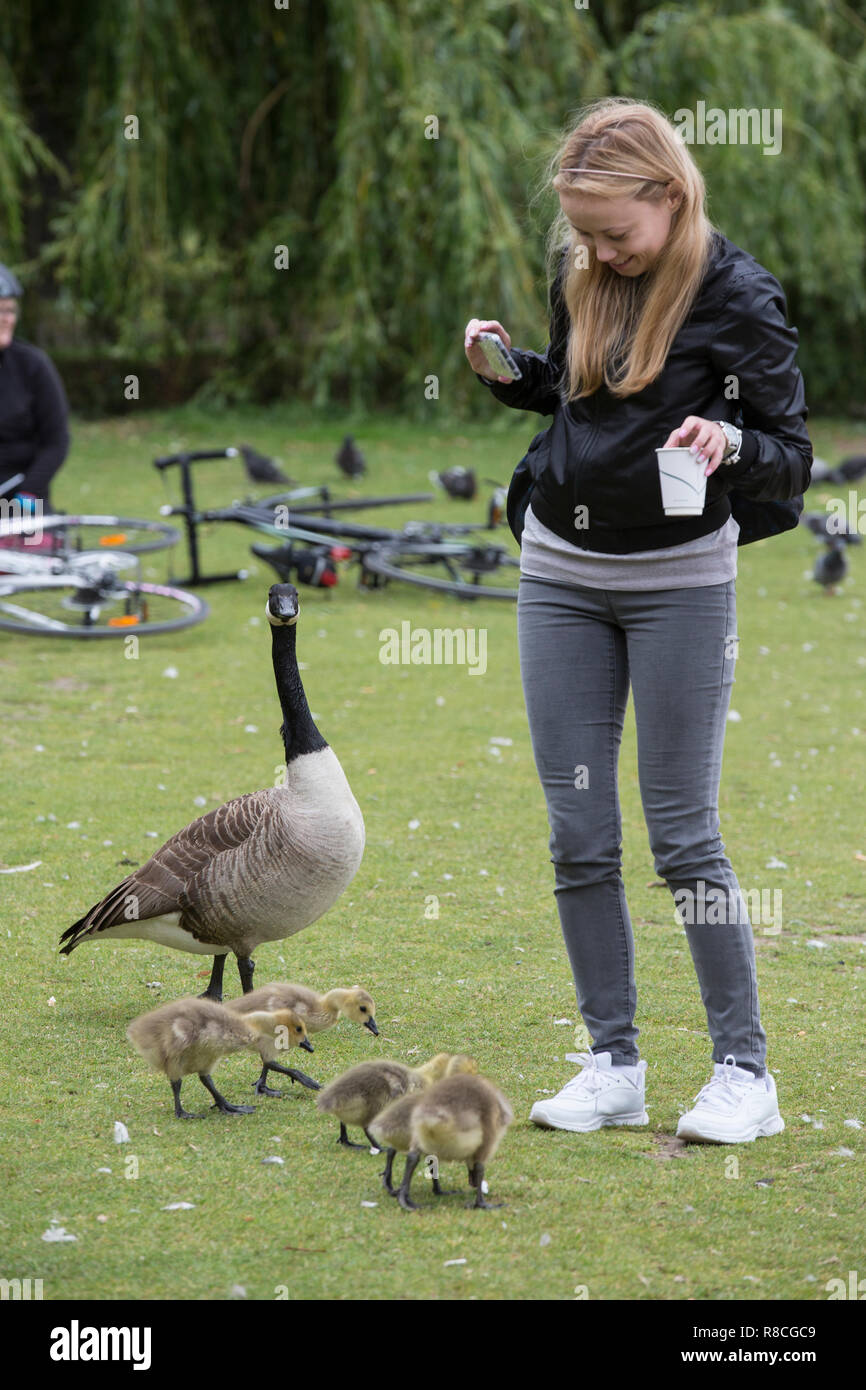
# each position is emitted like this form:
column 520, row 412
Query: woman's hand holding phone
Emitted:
column 475, row 354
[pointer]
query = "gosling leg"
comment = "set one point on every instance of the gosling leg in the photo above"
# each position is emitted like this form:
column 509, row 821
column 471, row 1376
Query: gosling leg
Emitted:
column 386, row 1174
column 346, row 1141
column 477, row 1180
column 262, row 1089
column 373, row 1143
column 246, row 966
column 403, row 1195
column 215, row 984
column 179, row 1111
column 220, row 1102
column 295, row 1075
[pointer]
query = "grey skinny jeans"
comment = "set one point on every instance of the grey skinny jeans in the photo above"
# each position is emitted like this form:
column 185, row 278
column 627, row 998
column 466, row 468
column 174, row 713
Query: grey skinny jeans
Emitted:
column 580, row 648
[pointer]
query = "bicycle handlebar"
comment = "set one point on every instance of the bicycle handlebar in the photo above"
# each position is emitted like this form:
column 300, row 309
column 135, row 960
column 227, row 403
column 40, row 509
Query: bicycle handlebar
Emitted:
column 194, row 456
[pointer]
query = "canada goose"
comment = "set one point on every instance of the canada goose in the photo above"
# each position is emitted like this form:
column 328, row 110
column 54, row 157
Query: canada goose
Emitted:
column 362, row 1091
column 190, row 1035
column 259, row 868
column 319, row 1011
column 392, row 1127
column 461, row 1118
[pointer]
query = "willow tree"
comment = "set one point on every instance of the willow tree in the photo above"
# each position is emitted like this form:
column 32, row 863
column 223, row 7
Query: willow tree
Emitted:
column 321, row 195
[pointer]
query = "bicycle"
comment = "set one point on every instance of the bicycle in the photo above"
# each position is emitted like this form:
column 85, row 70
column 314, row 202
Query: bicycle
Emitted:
column 75, row 586
column 427, row 554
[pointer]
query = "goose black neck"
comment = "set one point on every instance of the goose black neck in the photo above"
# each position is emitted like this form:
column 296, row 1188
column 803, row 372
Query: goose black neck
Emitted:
column 299, row 733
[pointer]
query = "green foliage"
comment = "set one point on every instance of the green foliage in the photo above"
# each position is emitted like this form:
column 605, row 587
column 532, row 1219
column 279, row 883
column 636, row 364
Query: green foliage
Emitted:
column 396, row 150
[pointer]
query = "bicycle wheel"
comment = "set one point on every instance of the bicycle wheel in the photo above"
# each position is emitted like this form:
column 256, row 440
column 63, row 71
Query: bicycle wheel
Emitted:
column 467, row 571
column 77, row 533
column 58, row 606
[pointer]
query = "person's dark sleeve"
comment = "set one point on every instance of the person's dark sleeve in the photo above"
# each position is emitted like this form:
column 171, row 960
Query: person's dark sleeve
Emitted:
column 537, row 389
column 753, row 343
column 52, row 415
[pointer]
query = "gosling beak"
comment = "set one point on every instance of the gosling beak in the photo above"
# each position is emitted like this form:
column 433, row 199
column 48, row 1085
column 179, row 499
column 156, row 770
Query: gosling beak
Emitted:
column 307, row 1045
column 371, row 1024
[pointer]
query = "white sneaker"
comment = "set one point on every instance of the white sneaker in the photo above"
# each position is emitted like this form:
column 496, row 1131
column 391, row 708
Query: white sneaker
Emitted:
column 734, row 1108
column 600, row 1094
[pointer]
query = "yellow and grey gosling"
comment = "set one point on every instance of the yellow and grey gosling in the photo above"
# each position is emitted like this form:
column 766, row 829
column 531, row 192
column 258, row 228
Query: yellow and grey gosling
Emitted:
column 460, row 1118
column 391, row 1129
column 319, row 1011
column 191, row 1035
column 362, row 1091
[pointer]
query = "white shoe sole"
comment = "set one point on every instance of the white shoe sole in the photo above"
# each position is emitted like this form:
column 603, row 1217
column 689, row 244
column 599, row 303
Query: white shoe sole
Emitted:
column 706, row 1135
column 598, row 1122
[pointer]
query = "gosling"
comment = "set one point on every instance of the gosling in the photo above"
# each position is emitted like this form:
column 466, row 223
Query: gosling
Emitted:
column 461, row 1118
column 362, row 1091
column 392, row 1127
column 191, row 1035
column 319, row 1011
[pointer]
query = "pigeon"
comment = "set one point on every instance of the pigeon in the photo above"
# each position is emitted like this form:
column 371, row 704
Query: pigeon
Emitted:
column 827, row 526
column 261, row 469
column 852, row 468
column 831, row 567
column 457, row 482
column 848, row 471
column 350, row 460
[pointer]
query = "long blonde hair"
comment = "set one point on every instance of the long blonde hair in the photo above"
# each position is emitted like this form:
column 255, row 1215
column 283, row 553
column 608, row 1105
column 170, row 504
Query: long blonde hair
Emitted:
column 621, row 327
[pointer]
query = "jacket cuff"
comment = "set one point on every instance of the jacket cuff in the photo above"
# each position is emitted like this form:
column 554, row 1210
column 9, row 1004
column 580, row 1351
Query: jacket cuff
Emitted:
column 748, row 454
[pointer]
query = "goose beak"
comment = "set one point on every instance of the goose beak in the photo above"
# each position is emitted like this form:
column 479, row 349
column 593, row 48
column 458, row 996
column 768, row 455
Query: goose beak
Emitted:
column 371, row 1024
column 283, row 606
column 307, row 1045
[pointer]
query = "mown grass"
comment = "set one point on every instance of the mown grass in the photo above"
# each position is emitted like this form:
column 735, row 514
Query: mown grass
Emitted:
column 127, row 750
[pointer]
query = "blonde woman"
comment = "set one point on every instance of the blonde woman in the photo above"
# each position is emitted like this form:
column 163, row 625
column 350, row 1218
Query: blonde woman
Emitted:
column 662, row 333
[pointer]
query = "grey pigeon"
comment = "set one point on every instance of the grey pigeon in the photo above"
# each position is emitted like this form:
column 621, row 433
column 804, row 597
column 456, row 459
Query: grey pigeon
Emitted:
column 827, row 527
column 831, row 566
column 261, row 469
column 848, row 471
column 852, row 468
column 458, row 482
column 350, row 460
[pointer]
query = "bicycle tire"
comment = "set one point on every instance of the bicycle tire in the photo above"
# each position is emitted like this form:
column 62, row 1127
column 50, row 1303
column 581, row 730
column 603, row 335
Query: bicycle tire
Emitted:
column 46, row 625
column 161, row 535
column 406, row 564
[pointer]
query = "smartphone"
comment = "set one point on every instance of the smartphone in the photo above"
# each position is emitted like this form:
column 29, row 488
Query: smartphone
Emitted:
column 498, row 356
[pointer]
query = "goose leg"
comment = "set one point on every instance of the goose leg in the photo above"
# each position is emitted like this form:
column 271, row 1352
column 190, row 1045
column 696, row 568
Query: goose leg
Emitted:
column 215, row 984
column 386, row 1174
column 344, row 1139
column 372, row 1140
column 179, row 1111
column 477, row 1180
column 246, row 966
column 403, row 1195
column 294, row 1074
column 220, row 1102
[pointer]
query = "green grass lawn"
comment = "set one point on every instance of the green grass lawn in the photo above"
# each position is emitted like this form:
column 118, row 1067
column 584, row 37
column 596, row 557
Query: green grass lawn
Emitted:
column 125, row 751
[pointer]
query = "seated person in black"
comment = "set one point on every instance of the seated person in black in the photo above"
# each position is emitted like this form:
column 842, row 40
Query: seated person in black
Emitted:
column 34, row 435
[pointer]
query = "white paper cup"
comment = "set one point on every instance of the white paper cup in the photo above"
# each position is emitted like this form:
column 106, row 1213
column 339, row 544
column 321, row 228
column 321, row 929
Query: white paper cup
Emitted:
column 683, row 482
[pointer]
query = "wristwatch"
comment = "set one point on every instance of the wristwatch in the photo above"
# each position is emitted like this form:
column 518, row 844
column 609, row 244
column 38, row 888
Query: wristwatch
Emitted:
column 734, row 437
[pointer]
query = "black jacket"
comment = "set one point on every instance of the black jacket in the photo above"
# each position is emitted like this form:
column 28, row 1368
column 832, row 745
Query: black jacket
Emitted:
column 34, row 436
column 599, row 452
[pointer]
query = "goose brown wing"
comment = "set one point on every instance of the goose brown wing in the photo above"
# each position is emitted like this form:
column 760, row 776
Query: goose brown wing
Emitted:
column 174, row 878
